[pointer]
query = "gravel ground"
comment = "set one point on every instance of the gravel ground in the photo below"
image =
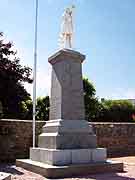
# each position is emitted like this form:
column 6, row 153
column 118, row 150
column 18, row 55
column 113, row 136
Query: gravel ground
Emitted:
column 22, row 174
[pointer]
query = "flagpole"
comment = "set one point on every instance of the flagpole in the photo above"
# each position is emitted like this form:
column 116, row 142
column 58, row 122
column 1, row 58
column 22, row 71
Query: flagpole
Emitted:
column 35, row 73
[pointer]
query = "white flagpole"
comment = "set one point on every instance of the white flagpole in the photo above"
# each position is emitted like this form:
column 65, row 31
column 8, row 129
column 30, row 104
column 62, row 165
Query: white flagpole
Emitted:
column 34, row 73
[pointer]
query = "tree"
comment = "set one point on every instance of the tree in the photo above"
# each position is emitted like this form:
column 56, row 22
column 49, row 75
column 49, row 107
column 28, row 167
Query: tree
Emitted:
column 26, row 109
column 116, row 111
column 12, row 78
column 43, row 105
column 42, row 109
column 91, row 102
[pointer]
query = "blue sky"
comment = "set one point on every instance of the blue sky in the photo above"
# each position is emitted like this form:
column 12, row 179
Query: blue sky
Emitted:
column 104, row 32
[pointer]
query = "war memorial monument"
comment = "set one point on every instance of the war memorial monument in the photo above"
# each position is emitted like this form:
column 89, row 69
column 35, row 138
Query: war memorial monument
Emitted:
column 67, row 145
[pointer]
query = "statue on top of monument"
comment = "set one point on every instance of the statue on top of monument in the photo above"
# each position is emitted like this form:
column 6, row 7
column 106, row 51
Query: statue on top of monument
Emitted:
column 66, row 33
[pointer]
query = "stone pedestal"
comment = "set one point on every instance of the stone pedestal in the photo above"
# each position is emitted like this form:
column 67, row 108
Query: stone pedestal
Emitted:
column 67, row 138
column 5, row 176
column 59, row 157
column 67, row 100
column 67, row 134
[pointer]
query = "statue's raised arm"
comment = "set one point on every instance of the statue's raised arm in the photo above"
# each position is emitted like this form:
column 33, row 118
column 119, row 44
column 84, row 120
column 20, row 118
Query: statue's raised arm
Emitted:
column 66, row 33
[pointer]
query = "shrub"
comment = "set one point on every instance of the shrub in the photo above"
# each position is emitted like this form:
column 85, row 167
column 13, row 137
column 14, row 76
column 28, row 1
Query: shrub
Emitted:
column 116, row 111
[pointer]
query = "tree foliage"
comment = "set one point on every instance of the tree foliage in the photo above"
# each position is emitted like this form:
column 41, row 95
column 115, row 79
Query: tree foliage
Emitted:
column 116, row 111
column 104, row 111
column 43, row 105
column 92, row 104
column 42, row 109
column 12, row 77
column 26, row 109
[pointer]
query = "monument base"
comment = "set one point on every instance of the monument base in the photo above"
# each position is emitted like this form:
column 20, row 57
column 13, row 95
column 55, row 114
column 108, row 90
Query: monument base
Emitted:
column 67, row 134
column 50, row 171
column 5, row 176
column 60, row 157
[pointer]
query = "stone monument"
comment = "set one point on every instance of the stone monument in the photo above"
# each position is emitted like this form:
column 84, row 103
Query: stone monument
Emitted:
column 67, row 137
column 67, row 145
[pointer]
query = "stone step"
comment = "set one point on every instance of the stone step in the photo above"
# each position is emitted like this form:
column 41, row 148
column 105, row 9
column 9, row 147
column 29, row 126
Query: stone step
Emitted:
column 5, row 176
column 50, row 171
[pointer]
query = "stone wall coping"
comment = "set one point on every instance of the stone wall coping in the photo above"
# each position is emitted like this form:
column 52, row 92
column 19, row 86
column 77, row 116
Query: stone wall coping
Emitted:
column 111, row 123
column 19, row 120
column 30, row 121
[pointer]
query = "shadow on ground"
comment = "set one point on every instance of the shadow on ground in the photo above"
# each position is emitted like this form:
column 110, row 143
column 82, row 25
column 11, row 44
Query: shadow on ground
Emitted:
column 106, row 176
column 10, row 168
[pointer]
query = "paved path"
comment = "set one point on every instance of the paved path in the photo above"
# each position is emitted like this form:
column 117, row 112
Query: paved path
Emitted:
column 129, row 174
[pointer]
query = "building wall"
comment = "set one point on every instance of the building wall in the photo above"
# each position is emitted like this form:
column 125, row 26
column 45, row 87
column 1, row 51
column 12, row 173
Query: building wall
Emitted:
column 16, row 138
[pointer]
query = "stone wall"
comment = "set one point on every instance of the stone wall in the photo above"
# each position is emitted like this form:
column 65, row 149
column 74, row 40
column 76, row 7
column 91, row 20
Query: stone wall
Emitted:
column 16, row 138
column 118, row 138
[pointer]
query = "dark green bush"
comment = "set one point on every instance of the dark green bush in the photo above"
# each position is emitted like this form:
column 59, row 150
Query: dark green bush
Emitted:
column 116, row 111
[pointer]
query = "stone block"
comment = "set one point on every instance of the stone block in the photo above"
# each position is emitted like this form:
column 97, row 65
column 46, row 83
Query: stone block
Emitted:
column 67, row 156
column 67, row 141
column 67, row 126
column 51, row 156
column 5, row 176
column 35, row 154
column 81, row 156
column 50, row 171
column 99, row 155
column 46, row 156
column 67, row 134
column 62, row 157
